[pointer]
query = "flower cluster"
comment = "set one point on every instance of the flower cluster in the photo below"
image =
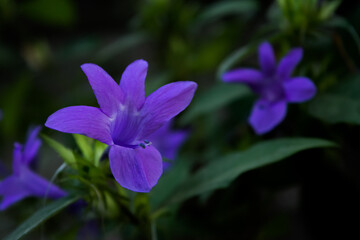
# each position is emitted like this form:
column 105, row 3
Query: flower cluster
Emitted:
column 137, row 128
column 24, row 182
column 126, row 120
column 274, row 85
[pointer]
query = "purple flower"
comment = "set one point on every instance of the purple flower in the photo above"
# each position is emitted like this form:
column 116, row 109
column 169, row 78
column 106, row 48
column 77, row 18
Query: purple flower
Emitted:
column 274, row 85
column 125, row 120
column 24, row 182
column 168, row 142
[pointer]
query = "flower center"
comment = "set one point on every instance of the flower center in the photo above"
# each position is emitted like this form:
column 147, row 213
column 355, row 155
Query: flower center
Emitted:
column 126, row 127
column 271, row 89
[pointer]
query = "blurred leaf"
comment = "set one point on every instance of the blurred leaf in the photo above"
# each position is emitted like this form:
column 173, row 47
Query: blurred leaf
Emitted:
column 169, row 182
column 340, row 104
column 341, row 23
column 99, row 151
column 335, row 109
column 85, row 145
column 56, row 12
column 120, row 45
column 235, row 57
column 13, row 100
column 42, row 215
column 213, row 99
column 155, row 82
column 225, row 8
column 220, row 173
column 328, row 9
column 66, row 154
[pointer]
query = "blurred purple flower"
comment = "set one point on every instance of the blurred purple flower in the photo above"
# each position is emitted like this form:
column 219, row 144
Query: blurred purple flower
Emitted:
column 274, row 85
column 24, row 182
column 125, row 121
column 168, row 142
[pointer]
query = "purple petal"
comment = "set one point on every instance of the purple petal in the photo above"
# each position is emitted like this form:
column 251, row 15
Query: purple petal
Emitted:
column 164, row 104
column 32, row 146
column 267, row 58
column 88, row 121
column 243, row 75
column 12, row 191
column 299, row 89
column 136, row 169
column 289, row 62
column 40, row 187
column 132, row 82
column 265, row 115
column 168, row 141
column 18, row 160
column 107, row 92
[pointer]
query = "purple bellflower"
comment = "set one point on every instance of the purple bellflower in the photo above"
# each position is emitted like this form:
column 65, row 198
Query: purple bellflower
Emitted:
column 274, row 85
column 168, row 142
column 125, row 120
column 24, row 182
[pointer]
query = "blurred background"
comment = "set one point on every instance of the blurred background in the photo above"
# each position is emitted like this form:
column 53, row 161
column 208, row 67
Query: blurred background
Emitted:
column 313, row 195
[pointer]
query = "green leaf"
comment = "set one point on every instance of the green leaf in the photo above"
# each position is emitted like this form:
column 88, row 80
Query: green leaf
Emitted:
column 235, row 57
column 343, row 24
column 216, row 97
column 85, row 145
column 12, row 102
column 220, row 173
column 225, row 8
column 334, row 108
column 56, row 12
column 98, row 152
column 341, row 104
column 120, row 45
column 328, row 9
column 66, row 154
column 42, row 215
column 169, row 182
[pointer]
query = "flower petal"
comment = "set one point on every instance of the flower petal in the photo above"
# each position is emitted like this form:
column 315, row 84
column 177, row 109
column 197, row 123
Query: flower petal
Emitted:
column 38, row 186
column 88, row 121
column 168, row 141
column 289, row 62
column 267, row 58
column 164, row 104
column 299, row 89
column 106, row 90
column 12, row 191
column 243, row 75
column 32, row 145
column 265, row 115
column 132, row 82
column 18, row 159
column 136, row 169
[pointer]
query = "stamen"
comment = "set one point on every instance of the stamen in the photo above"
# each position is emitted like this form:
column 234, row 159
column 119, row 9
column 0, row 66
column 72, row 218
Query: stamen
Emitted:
column 142, row 145
column 146, row 141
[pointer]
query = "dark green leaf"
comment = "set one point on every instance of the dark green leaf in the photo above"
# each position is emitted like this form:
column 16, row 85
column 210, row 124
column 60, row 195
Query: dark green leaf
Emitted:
column 214, row 98
column 339, row 22
column 58, row 12
column 225, row 8
column 219, row 173
column 120, row 45
column 169, row 182
column 334, row 108
column 340, row 104
column 234, row 58
column 42, row 215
